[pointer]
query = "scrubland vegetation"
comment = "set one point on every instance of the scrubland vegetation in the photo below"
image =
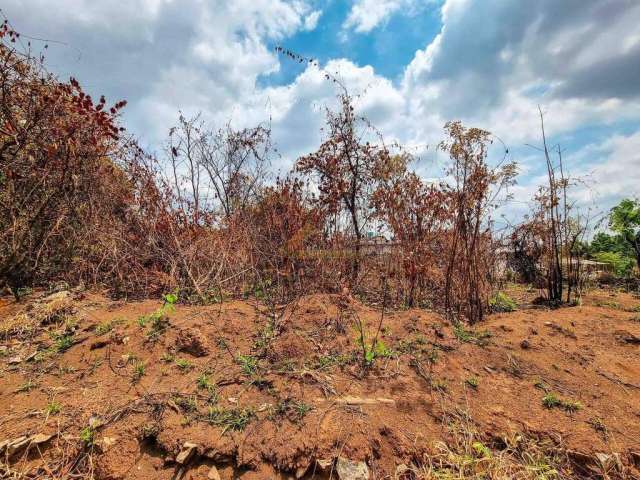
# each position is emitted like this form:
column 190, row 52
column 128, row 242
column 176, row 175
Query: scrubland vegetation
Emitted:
column 286, row 301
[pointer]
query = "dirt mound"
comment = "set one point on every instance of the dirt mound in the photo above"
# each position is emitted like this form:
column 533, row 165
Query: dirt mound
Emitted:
column 241, row 390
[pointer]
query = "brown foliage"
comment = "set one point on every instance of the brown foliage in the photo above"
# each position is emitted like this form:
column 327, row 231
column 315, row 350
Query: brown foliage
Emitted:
column 58, row 177
column 86, row 204
column 471, row 198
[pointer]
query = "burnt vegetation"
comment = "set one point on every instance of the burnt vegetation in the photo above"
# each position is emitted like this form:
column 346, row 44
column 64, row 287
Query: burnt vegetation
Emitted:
column 83, row 203
column 348, row 285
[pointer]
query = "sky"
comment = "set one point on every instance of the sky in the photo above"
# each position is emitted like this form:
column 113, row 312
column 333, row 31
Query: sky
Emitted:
column 414, row 64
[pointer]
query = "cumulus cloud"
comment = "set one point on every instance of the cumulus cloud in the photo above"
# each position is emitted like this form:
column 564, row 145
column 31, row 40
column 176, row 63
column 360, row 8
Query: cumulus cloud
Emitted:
column 164, row 55
column 365, row 15
column 577, row 57
column 491, row 65
column 311, row 20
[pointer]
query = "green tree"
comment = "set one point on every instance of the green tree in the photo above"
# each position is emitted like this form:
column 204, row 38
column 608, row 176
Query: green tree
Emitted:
column 625, row 221
column 605, row 242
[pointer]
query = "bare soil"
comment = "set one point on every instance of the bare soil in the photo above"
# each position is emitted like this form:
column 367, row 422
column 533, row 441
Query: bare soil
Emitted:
column 116, row 392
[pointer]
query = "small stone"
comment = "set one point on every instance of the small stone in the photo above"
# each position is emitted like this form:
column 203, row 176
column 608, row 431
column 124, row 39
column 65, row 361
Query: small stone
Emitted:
column 17, row 444
column 213, row 474
column 524, row 344
column 263, row 407
column 99, row 344
column 350, row 470
column 15, row 360
column 108, row 441
column 232, row 400
column 401, row 469
column 188, row 449
column 324, row 464
column 40, row 438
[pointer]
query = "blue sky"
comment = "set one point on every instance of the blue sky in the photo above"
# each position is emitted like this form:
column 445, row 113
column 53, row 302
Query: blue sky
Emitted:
column 388, row 48
column 416, row 64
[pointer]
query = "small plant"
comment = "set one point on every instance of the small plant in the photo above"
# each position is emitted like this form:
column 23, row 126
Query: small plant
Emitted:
column 480, row 338
column 104, row 327
column 248, row 364
column 150, row 431
column 376, row 350
column 301, row 409
column 322, row 362
column 52, row 408
column 88, row 436
column 481, row 450
column 439, row 385
column 264, row 337
column 599, row 426
column 550, row 400
column 168, row 357
column 27, row 386
column 62, row 343
column 501, row 302
column 203, row 382
column 20, row 293
column 187, row 403
column 473, row 382
column 138, row 371
column 159, row 319
column 183, row 364
column 234, row 419
column 571, row 406
column 65, row 369
column 541, row 385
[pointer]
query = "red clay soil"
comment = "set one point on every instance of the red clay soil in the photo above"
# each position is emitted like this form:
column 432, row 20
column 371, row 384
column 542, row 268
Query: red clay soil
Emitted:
column 263, row 393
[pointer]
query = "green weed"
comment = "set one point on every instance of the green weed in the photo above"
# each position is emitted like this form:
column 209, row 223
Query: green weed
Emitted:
column 551, row 400
column 501, row 302
column 27, row 386
column 183, row 364
column 232, row 419
column 138, row 371
column 480, row 338
column 62, row 343
column 473, row 382
column 249, row 365
column 52, row 408
column 88, row 436
column 104, row 327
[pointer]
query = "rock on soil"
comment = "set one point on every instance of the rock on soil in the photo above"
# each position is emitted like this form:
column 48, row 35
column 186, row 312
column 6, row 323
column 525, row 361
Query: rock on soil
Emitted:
column 350, row 470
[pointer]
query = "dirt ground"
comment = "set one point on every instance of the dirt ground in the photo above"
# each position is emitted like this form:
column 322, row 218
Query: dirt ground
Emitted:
column 138, row 390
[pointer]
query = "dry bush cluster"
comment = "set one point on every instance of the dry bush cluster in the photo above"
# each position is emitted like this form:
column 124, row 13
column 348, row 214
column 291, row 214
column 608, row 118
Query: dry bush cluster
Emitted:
column 548, row 248
column 85, row 204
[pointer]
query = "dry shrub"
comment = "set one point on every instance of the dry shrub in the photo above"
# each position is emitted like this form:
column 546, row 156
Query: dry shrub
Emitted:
column 416, row 213
column 59, row 179
column 471, row 198
column 86, row 204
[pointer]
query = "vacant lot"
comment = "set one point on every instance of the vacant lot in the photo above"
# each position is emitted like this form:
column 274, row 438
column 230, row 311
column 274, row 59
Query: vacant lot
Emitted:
column 150, row 390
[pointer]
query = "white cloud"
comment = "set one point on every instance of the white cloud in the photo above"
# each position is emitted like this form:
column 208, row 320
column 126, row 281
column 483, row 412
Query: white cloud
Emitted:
column 311, row 20
column 365, row 15
column 491, row 65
